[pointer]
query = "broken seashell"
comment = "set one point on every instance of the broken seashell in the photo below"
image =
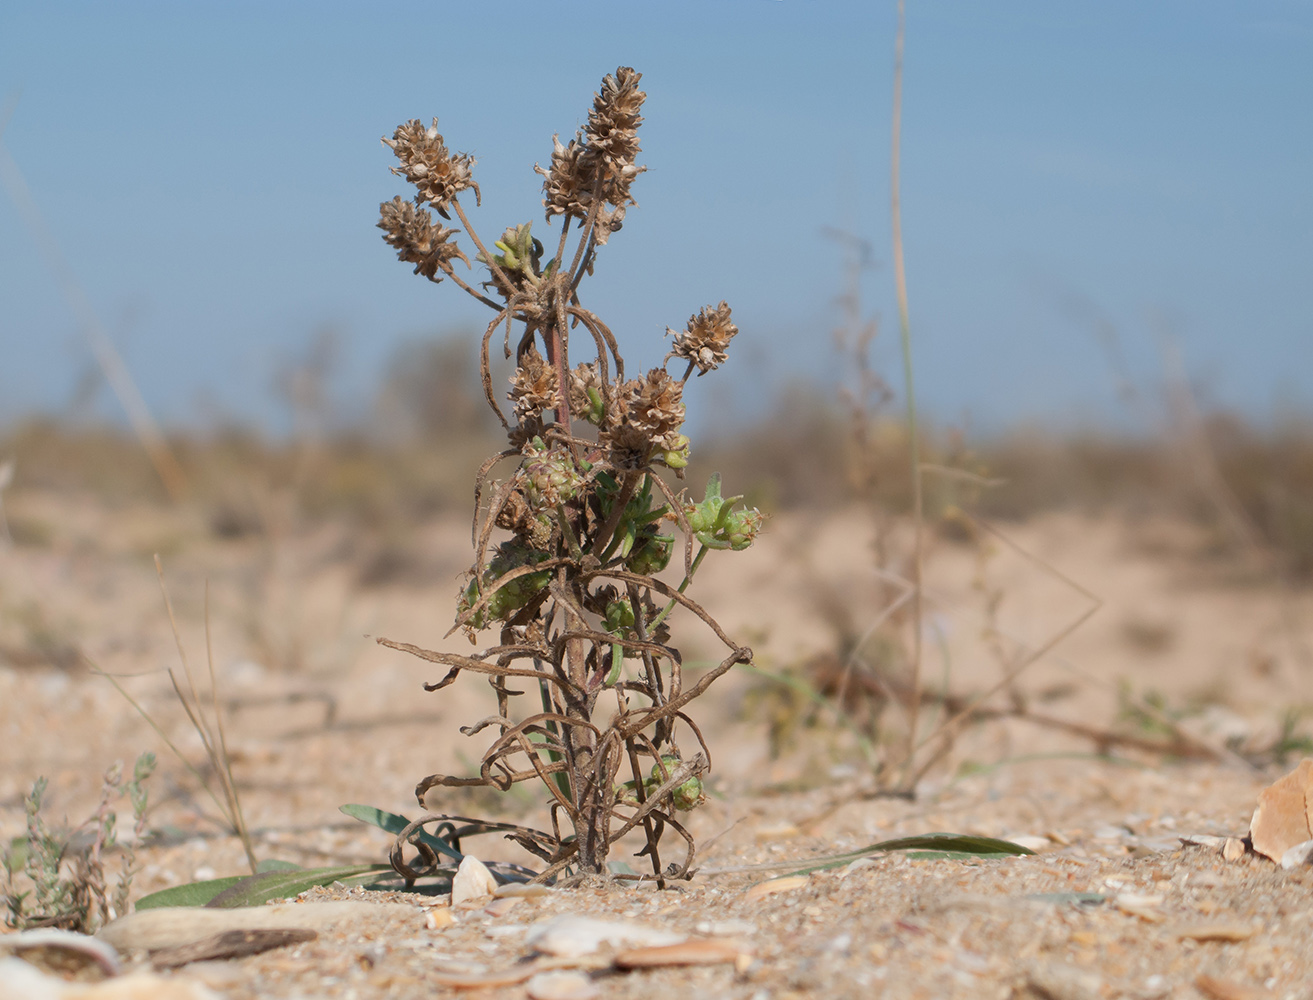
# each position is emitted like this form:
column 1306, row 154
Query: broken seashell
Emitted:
column 472, row 881
column 1282, row 818
column 1298, row 856
column 1233, row 849
column 703, row 952
column 63, row 952
column 571, row 936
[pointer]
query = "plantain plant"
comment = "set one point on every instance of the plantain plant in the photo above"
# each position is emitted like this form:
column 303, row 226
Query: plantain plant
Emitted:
column 568, row 544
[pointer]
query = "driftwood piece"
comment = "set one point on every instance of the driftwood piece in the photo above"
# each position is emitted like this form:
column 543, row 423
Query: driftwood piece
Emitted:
column 231, row 944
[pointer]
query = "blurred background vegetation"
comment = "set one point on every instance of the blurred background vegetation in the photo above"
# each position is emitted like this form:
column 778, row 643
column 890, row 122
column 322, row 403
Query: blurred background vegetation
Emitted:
column 414, row 457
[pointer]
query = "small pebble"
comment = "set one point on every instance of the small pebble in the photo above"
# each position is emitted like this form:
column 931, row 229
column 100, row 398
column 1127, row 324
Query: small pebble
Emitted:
column 439, row 917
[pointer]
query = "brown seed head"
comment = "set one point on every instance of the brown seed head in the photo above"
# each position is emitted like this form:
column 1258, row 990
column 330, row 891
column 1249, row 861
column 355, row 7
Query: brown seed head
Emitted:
column 582, row 378
column 600, row 158
column 612, row 127
column 532, row 527
column 417, row 240
column 705, row 339
column 564, row 189
column 628, row 446
column 534, row 385
column 656, row 403
column 526, row 430
column 426, row 162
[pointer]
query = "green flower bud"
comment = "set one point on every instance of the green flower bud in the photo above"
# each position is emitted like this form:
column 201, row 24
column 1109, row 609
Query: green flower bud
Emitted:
column 507, row 258
column 677, row 457
column 717, row 525
column 651, row 554
column 688, row 795
column 596, row 407
column 742, row 526
column 507, row 598
column 619, row 615
column 709, row 514
column 551, row 475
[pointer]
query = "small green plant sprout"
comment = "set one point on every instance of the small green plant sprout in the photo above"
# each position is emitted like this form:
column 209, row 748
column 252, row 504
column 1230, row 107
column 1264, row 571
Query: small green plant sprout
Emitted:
column 568, row 546
column 65, row 869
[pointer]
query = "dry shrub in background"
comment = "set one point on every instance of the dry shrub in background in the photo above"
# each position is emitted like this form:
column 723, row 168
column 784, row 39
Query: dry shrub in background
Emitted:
column 568, row 544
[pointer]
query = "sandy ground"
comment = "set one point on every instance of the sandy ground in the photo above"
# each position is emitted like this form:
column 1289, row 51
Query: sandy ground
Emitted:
column 319, row 715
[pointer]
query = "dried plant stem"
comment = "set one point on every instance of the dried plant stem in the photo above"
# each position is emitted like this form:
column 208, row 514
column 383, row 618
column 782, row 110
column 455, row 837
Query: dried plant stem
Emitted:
column 913, row 444
column 948, row 729
column 215, row 744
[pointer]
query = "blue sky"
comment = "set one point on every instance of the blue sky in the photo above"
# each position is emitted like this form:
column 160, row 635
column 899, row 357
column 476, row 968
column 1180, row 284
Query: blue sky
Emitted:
column 213, row 172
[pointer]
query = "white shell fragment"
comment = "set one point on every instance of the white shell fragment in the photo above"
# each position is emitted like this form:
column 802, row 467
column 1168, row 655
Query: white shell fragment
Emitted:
column 21, row 981
column 1135, row 904
column 524, row 890
column 1233, row 849
column 64, row 948
column 572, row 936
column 560, row 985
column 1298, row 856
column 472, row 881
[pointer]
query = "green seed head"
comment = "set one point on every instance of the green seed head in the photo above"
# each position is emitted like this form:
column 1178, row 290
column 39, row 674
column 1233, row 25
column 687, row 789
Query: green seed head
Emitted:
column 651, row 554
column 688, row 795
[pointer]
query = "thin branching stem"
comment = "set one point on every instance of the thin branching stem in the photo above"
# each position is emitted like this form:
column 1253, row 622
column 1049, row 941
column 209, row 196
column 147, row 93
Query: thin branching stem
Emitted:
column 913, row 437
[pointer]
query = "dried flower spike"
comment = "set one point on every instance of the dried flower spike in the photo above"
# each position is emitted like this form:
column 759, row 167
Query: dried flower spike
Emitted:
column 533, row 386
column 438, row 176
column 656, row 403
column 600, row 159
column 705, row 339
column 417, row 240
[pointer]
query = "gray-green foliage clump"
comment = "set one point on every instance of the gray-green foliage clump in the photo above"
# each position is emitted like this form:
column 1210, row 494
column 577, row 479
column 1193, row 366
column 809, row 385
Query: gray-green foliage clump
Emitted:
column 65, row 870
column 569, row 541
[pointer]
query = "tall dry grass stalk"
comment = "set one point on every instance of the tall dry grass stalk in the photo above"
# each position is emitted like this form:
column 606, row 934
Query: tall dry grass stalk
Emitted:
column 913, row 437
column 209, row 726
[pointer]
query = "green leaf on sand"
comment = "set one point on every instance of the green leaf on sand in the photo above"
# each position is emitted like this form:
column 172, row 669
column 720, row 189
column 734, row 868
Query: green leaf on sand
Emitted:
column 259, row 889
column 394, row 823
column 275, row 865
column 942, row 846
column 191, row 894
column 253, row 890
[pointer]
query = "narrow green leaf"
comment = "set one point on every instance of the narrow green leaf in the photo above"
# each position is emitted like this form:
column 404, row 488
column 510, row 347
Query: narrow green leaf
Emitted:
column 394, row 823
column 256, row 890
column 275, row 865
column 927, row 845
column 191, row 894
